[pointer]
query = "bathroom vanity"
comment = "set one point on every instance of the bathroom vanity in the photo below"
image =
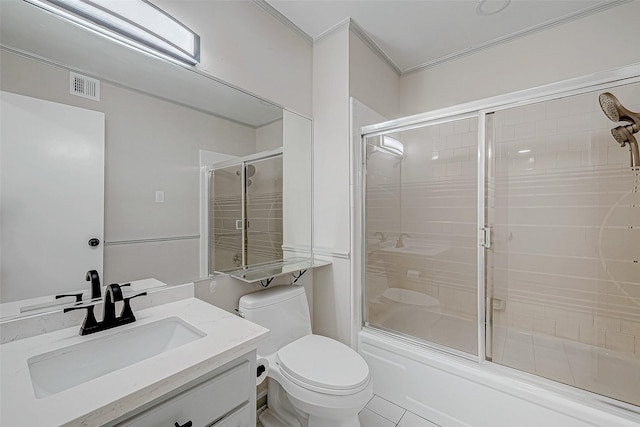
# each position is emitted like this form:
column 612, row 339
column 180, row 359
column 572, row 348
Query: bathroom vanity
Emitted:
column 183, row 363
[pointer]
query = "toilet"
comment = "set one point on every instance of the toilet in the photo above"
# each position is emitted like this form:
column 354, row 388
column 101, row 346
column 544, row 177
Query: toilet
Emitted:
column 314, row 381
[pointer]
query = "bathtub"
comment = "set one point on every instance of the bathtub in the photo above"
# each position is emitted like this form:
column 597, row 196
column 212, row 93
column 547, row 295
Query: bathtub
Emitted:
column 421, row 316
column 453, row 391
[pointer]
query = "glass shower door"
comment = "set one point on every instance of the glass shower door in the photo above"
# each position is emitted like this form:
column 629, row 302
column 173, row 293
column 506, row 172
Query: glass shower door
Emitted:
column 420, row 223
column 263, row 188
column 563, row 269
column 225, row 219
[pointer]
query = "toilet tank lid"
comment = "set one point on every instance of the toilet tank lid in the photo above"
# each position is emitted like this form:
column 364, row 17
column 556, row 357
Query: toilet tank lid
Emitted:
column 270, row 296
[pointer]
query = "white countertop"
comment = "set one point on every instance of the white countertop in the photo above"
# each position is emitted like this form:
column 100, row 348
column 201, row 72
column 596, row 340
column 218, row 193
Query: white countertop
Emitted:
column 108, row 397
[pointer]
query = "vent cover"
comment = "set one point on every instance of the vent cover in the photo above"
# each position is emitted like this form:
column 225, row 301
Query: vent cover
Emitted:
column 84, row 86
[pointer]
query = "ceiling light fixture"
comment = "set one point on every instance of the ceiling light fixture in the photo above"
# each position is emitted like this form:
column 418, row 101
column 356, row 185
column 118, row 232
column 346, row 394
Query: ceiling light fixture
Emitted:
column 491, row 7
column 136, row 23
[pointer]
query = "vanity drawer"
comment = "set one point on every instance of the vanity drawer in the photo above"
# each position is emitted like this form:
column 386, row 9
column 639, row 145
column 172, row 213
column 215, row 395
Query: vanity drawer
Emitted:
column 239, row 418
column 212, row 400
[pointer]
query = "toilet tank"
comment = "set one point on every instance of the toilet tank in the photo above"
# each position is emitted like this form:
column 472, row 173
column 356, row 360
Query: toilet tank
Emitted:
column 283, row 310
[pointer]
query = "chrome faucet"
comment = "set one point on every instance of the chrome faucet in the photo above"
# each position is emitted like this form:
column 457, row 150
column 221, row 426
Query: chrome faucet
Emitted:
column 112, row 294
column 399, row 242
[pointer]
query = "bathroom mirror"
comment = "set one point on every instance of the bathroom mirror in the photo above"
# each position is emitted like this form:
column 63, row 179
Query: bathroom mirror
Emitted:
column 160, row 120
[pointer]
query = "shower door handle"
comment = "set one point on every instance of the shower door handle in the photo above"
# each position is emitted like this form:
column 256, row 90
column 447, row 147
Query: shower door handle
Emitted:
column 484, row 237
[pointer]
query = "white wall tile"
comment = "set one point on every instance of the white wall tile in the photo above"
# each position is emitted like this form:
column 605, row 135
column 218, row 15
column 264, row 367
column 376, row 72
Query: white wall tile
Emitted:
column 620, row 342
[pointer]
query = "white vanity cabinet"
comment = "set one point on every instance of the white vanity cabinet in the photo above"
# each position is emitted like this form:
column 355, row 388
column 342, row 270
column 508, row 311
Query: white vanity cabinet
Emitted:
column 224, row 398
column 209, row 380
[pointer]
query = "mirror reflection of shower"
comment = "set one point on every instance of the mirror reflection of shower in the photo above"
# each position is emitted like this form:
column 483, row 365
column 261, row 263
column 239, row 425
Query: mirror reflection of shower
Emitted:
column 251, row 170
column 623, row 135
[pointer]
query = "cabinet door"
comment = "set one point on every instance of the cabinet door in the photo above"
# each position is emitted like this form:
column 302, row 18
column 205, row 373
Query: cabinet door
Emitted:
column 204, row 404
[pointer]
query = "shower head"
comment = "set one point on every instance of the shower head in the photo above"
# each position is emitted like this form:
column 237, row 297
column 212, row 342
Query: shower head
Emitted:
column 621, row 135
column 250, row 171
column 616, row 112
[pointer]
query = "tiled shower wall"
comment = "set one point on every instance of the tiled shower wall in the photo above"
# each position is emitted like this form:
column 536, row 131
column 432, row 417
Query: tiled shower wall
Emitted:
column 564, row 206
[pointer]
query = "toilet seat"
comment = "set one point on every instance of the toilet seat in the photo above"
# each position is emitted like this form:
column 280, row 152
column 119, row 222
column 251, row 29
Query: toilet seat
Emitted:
column 323, row 365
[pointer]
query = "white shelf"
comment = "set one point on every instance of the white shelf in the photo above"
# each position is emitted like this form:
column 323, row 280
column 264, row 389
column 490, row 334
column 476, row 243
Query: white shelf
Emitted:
column 275, row 269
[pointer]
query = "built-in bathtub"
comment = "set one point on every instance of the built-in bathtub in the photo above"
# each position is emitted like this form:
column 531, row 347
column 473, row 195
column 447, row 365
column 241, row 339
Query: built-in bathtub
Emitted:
column 454, row 391
column 420, row 316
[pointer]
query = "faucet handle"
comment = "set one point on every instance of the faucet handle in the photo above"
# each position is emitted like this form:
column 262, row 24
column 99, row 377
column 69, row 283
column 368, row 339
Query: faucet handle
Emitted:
column 90, row 323
column 126, row 315
column 77, row 296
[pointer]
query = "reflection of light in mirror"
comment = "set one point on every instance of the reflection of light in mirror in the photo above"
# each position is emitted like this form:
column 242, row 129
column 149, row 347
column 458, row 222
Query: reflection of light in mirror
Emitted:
column 524, row 151
column 393, row 145
column 435, row 155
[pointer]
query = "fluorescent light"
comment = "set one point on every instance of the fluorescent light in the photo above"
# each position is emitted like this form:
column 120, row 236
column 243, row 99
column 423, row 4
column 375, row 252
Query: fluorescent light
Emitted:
column 393, row 145
column 134, row 22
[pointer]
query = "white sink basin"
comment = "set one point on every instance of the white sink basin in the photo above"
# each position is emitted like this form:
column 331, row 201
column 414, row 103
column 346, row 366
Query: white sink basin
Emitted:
column 67, row 367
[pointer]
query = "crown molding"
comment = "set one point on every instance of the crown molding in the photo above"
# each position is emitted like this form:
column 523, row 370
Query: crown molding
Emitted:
column 362, row 35
column 262, row 4
column 351, row 25
column 335, row 29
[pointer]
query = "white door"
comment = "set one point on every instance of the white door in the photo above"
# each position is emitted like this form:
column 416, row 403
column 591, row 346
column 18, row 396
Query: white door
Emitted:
column 51, row 196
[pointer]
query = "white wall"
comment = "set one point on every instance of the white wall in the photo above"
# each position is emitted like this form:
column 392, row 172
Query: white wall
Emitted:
column 330, row 183
column 243, row 45
column 372, row 80
column 269, row 136
column 595, row 43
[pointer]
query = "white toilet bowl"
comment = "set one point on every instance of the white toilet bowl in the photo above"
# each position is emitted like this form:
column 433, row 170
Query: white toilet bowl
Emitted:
column 314, row 381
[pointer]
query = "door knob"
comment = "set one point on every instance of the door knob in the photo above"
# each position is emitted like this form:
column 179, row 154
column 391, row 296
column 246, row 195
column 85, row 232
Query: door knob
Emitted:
column 94, row 242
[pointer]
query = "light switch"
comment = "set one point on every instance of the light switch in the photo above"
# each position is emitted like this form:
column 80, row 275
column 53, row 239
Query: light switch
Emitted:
column 159, row 196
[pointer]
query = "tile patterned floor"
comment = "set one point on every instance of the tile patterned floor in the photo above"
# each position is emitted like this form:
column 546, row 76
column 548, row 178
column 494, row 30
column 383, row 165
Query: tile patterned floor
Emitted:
column 382, row 413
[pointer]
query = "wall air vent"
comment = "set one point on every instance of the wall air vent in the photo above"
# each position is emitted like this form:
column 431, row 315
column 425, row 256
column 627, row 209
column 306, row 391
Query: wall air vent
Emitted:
column 84, row 86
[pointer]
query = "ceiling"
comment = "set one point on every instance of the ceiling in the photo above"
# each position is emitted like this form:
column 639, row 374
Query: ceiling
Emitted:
column 412, row 34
